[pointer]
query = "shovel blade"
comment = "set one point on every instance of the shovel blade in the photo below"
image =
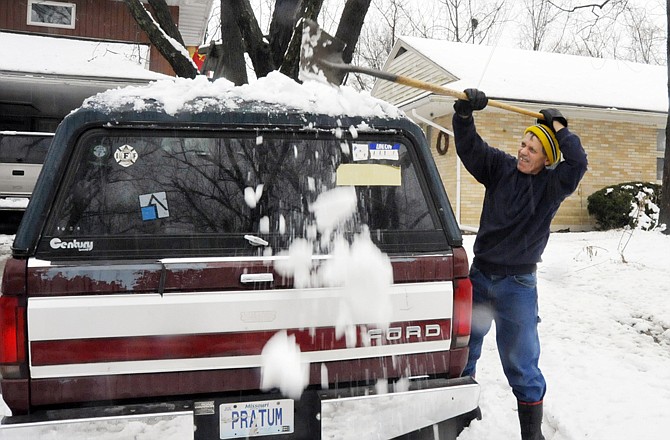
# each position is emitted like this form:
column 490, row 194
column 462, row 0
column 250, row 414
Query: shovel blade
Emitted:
column 320, row 54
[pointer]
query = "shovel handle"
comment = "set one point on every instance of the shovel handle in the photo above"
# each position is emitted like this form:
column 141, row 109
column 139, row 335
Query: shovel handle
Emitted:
column 418, row 84
column 460, row 95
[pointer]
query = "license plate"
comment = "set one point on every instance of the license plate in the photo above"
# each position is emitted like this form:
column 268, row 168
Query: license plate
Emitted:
column 251, row 419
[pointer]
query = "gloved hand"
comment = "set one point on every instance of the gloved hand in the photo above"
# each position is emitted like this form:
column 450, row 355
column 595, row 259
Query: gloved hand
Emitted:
column 551, row 115
column 477, row 100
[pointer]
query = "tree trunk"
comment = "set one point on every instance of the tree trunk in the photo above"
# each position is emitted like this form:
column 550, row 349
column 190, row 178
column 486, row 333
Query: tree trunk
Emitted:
column 283, row 22
column 291, row 65
column 181, row 64
column 165, row 20
column 254, row 41
column 350, row 26
column 664, row 214
column 229, row 55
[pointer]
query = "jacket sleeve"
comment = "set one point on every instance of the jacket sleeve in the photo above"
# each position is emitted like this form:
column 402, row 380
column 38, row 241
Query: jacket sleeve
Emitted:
column 480, row 159
column 570, row 171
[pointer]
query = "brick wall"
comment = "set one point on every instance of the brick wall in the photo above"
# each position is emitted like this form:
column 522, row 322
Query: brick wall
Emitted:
column 617, row 152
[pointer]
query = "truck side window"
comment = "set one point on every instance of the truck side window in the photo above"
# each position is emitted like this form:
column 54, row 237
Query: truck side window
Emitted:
column 24, row 149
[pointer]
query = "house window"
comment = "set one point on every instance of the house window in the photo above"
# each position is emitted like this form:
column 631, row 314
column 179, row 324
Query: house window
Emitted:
column 51, row 14
column 660, row 154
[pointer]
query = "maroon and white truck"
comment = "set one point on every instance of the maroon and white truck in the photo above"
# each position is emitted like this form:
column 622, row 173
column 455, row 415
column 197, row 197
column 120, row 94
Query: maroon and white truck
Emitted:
column 143, row 282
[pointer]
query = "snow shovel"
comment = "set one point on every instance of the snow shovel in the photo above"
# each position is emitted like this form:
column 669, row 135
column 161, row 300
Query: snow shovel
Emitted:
column 321, row 56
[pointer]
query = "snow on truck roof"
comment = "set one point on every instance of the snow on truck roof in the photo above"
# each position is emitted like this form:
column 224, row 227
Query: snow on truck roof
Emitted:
column 181, row 95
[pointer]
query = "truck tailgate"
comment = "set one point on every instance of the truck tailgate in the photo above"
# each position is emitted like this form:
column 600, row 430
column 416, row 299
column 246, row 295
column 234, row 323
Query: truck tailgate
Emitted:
column 170, row 321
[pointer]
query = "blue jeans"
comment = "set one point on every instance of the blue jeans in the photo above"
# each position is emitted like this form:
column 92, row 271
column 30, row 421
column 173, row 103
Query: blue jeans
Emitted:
column 510, row 300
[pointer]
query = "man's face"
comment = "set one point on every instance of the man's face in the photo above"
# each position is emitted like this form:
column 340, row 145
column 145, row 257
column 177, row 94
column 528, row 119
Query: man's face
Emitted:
column 531, row 158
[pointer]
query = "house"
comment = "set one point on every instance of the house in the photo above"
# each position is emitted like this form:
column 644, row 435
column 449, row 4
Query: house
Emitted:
column 618, row 108
column 54, row 54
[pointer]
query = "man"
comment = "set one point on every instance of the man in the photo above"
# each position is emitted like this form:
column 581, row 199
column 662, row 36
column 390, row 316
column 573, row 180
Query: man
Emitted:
column 522, row 196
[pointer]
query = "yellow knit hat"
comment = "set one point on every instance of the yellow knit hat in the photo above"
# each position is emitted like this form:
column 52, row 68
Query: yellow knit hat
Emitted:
column 548, row 140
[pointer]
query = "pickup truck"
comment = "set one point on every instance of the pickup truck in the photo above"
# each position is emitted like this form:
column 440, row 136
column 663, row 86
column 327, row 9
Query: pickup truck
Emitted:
column 149, row 272
column 21, row 156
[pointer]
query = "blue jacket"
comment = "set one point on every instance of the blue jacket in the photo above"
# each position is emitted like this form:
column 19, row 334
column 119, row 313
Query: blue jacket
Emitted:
column 518, row 208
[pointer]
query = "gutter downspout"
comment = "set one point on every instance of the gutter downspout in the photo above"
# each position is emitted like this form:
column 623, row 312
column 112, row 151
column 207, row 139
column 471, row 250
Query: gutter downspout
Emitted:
column 458, row 171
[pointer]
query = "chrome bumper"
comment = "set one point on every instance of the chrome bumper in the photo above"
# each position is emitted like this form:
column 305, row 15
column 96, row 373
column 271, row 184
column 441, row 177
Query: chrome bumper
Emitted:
column 351, row 413
column 174, row 425
column 384, row 416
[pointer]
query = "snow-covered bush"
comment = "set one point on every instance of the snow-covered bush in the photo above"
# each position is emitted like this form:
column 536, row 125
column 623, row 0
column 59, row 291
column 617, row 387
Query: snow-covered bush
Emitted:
column 632, row 204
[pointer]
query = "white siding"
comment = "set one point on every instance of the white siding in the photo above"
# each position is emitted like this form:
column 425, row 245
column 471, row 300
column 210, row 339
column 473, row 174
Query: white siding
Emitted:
column 413, row 65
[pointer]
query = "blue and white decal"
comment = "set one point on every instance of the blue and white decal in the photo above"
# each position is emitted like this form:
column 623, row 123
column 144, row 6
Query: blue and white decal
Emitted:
column 384, row 151
column 154, row 206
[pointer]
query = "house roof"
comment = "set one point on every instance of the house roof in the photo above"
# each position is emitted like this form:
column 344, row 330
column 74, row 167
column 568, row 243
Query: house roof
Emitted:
column 532, row 76
column 193, row 18
column 51, row 76
column 38, row 54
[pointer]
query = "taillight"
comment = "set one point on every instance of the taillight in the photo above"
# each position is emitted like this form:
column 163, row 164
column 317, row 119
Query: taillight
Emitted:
column 13, row 349
column 462, row 313
column 12, row 334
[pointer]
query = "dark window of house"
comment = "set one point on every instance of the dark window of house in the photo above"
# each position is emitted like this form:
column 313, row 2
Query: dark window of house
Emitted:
column 202, row 195
column 51, row 14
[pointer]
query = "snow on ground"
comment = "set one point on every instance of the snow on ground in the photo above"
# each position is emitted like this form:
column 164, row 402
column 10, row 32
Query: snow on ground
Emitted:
column 605, row 336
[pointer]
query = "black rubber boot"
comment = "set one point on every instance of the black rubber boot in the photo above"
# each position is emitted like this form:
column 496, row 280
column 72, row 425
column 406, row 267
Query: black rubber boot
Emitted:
column 530, row 419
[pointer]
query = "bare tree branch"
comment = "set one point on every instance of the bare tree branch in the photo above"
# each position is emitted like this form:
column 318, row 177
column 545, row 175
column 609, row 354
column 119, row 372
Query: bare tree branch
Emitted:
column 351, row 22
column 575, row 8
column 182, row 65
column 471, row 21
column 283, row 22
column 165, row 20
column 254, row 41
column 537, row 27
